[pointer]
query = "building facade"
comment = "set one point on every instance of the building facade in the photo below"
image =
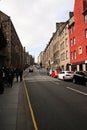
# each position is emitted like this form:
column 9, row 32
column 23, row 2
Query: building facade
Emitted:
column 12, row 52
column 78, row 36
column 56, row 53
column 64, row 47
column 68, row 46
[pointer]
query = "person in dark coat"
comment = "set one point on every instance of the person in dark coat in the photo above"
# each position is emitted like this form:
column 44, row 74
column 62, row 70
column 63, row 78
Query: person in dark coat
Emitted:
column 20, row 73
column 10, row 76
column 17, row 73
column 1, row 82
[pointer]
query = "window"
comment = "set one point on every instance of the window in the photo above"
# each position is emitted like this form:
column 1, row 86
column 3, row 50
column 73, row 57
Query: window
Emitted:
column 80, row 50
column 62, row 72
column 84, row 5
column 66, row 42
column 67, row 55
column 71, row 42
column 62, row 46
column 74, row 55
column 71, row 55
column 85, row 17
column 86, row 50
column 74, row 41
column 86, row 33
column 71, row 30
column 62, row 56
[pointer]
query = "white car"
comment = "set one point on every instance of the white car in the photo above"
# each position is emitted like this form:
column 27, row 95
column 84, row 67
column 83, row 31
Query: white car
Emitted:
column 66, row 75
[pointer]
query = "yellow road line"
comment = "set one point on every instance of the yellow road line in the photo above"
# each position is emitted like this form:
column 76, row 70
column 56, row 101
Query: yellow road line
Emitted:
column 29, row 104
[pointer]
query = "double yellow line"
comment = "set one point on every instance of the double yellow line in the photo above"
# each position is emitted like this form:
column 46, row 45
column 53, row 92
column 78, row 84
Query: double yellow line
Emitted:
column 30, row 107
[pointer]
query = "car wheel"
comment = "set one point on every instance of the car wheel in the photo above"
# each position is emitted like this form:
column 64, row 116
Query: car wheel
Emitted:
column 74, row 80
column 84, row 83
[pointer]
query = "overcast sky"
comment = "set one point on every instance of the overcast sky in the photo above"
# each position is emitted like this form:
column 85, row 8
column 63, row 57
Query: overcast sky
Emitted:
column 35, row 20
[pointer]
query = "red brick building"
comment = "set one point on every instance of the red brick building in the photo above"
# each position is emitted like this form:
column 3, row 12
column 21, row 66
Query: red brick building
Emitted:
column 78, row 36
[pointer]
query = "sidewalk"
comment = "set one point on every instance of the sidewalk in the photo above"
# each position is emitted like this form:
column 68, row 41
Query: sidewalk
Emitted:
column 14, row 110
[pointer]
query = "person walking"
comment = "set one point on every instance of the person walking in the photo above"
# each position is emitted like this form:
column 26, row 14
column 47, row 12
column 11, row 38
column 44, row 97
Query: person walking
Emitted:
column 21, row 74
column 10, row 76
column 1, row 82
column 17, row 73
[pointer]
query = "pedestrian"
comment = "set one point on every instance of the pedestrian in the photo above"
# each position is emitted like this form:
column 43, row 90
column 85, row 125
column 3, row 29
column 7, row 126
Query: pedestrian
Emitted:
column 21, row 74
column 4, row 69
column 17, row 73
column 1, row 82
column 10, row 76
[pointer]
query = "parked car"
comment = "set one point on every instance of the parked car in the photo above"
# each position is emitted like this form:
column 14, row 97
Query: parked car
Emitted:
column 66, row 75
column 80, row 77
column 55, row 73
column 30, row 69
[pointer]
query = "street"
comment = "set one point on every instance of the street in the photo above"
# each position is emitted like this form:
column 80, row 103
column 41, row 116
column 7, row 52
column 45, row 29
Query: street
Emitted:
column 56, row 104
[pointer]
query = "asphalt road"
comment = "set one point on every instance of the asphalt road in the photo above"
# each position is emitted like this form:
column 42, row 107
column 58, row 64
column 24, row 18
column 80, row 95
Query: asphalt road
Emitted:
column 57, row 105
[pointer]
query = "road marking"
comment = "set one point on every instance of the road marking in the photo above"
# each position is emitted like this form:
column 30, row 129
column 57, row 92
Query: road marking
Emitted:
column 29, row 104
column 85, row 94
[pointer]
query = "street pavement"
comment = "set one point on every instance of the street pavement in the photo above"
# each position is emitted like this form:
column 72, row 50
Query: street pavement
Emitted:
column 57, row 104
column 14, row 110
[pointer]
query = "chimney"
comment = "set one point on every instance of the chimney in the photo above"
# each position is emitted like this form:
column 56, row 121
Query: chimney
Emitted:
column 71, row 14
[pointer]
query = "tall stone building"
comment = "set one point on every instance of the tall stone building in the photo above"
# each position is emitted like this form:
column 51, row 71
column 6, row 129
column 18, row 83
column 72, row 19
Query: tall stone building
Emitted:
column 11, row 49
column 5, row 38
column 56, row 53
column 64, row 47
